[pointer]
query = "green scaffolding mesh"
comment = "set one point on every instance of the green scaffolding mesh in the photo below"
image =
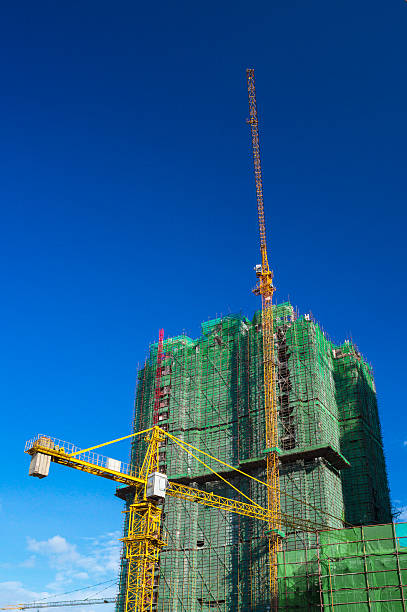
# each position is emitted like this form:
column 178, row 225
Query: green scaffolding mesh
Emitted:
column 211, row 396
column 365, row 484
column 351, row 570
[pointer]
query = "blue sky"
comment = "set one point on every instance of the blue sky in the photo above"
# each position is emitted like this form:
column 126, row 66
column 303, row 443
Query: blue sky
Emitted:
column 128, row 204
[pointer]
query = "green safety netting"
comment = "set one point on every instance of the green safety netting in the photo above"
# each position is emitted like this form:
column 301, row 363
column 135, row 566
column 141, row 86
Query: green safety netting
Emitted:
column 360, row 568
column 212, row 397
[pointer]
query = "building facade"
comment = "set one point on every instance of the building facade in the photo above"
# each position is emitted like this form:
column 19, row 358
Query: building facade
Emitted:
column 332, row 467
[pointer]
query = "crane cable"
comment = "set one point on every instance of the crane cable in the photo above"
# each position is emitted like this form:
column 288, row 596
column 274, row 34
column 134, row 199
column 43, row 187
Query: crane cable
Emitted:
column 181, row 442
column 20, row 606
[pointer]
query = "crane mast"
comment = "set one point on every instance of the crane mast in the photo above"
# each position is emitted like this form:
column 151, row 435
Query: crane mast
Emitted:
column 143, row 541
column 265, row 289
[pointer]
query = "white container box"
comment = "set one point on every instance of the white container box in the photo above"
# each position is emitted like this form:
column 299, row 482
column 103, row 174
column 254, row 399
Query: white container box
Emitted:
column 156, row 485
column 113, row 464
column 39, row 465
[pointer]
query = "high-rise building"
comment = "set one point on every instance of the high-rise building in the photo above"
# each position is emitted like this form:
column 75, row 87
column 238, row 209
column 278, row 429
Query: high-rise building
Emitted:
column 332, row 468
column 364, row 483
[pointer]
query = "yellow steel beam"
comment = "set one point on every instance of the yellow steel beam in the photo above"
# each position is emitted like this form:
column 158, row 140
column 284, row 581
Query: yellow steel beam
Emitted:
column 58, row 455
column 266, row 289
column 143, row 541
column 198, row 496
column 91, row 448
column 179, row 442
column 47, row 446
column 181, row 491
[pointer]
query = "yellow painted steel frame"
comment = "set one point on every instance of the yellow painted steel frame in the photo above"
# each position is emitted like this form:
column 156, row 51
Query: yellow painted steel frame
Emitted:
column 143, row 545
column 273, row 476
column 266, row 289
column 47, row 446
column 143, row 542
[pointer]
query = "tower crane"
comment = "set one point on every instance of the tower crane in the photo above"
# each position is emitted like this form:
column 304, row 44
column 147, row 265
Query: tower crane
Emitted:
column 265, row 289
column 144, row 539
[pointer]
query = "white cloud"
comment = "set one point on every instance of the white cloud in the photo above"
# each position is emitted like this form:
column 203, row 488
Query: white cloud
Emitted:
column 98, row 558
column 405, row 443
column 30, row 562
column 70, row 567
column 403, row 514
column 56, row 544
column 14, row 592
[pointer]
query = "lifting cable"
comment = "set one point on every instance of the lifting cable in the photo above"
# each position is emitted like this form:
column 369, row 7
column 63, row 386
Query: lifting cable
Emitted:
column 178, row 441
column 181, row 442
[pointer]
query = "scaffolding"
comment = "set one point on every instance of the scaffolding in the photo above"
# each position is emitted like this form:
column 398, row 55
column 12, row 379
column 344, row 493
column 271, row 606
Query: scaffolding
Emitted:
column 211, row 396
column 351, row 570
column 365, row 484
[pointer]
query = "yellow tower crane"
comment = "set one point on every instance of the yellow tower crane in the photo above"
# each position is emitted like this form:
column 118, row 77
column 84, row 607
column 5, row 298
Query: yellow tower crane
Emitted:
column 265, row 289
column 144, row 539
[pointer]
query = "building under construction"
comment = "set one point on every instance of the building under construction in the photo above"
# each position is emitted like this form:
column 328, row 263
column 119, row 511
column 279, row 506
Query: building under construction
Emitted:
column 332, row 467
column 272, row 411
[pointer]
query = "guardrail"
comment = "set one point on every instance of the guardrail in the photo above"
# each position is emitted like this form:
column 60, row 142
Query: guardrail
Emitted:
column 62, row 447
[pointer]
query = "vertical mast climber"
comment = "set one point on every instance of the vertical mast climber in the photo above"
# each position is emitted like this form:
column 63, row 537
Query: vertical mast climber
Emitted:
column 158, row 375
column 265, row 288
column 143, row 540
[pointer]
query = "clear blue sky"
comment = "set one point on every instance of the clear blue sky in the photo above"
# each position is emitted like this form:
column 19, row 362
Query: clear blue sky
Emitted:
column 128, row 204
